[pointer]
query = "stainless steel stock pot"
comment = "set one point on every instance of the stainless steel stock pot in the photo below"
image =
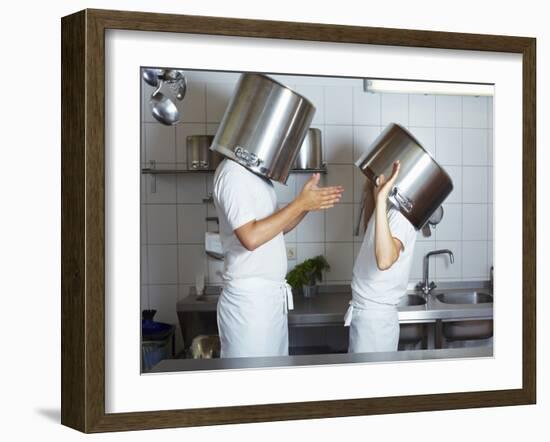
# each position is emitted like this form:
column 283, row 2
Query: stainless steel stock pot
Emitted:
column 264, row 126
column 310, row 155
column 422, row 184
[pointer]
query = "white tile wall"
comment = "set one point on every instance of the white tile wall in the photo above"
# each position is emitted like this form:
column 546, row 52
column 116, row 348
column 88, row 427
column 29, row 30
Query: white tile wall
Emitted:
column 342, row 175
column 312, row 228
column 395, row 109
column 450, row 227
column 340, row 258
column 474, row 222
column 164, row 189
column 163, row 264
column 448, row 111
column 475, row 264
column 366, row 107
column 161, row 224
column 160, row 143
column 475, row 146
column 490, row 184
column 191, row 261
column 489, row 147
column 456, row 130
column 339, row 223
column 191, row 188
column 144, row 267
column 474, row 184
column 338, row 105
column 337, row 141
column 310, row 250
column 191, row 219
column 474, row 112
column 422, row 110
column 449, row 146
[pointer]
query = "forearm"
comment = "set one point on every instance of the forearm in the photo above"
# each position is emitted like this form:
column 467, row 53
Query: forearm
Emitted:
column 252, row 235
column 385, row 249
column 294, row 223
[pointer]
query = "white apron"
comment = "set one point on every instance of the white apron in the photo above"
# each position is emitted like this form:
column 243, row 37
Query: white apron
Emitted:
column 373, row 326
column 252, row 318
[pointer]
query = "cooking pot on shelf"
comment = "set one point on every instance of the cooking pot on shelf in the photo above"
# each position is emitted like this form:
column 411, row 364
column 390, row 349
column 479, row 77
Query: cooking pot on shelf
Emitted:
column 421, row 186
column 199, row 155
column 264, row 126
column 310, row 155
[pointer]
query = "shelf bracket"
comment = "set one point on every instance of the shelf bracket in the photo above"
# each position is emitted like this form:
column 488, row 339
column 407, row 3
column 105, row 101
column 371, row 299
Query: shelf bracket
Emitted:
column 153, row 177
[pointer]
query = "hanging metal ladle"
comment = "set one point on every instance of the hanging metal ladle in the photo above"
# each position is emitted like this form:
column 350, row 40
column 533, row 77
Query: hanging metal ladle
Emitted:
column 163, row 108
column 151, row 76
column 434, row 220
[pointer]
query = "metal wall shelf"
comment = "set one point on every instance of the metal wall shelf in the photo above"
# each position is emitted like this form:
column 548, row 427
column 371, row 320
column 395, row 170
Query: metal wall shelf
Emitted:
column 154, row 171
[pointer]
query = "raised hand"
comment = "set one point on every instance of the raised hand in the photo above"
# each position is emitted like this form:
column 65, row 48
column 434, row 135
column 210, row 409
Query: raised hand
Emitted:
column 313, row 197
column 384, row 187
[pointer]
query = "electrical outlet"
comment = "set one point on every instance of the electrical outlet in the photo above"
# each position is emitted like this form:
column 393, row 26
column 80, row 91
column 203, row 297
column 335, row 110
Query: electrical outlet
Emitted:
column 290, row 253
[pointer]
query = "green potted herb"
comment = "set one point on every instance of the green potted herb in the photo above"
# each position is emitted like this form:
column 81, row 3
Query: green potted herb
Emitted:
column 306, row 274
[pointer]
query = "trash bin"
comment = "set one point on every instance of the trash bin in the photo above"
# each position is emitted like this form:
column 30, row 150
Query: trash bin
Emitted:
column 157, row 341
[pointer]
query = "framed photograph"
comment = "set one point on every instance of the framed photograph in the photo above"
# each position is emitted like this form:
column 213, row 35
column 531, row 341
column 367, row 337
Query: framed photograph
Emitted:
column 149, row 258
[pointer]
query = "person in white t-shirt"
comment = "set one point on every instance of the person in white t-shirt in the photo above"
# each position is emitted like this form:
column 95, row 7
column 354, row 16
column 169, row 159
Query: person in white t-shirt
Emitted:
column 252, row 308
column 381, row 272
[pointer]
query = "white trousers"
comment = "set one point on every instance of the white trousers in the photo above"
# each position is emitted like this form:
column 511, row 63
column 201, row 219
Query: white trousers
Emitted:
column 252, row 319
column 374, row 327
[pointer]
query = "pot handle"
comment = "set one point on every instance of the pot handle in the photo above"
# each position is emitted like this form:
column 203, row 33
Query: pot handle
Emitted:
column 247, row 158
column 403, row 201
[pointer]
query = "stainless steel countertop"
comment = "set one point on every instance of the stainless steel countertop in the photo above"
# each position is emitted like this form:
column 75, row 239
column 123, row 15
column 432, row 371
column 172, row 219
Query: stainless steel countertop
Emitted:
column 330, row 305
column 174, row 365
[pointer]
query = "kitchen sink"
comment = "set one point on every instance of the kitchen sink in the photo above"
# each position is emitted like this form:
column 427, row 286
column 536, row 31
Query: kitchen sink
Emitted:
column 474, row 297
column 464, row 330
column 411, row 300
column 410, row 334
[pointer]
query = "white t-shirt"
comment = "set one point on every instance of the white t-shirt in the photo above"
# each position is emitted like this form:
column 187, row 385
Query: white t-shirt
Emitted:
column 240, row 196
column 386, row 286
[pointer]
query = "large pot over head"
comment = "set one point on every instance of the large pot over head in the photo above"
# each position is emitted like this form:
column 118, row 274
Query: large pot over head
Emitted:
column 422, row 184
column 264, row 126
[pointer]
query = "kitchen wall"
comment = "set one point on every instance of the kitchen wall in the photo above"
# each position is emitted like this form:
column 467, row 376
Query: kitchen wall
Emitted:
column 456, row 130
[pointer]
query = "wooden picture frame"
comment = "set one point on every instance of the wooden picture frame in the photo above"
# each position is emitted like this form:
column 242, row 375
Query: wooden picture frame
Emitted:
column 83, row 216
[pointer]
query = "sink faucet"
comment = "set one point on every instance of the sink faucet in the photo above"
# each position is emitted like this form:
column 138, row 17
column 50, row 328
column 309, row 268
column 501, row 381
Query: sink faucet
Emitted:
column 425, row 285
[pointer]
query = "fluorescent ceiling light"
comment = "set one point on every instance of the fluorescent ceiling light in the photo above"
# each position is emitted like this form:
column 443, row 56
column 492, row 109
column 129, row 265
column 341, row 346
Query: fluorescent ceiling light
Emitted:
column 427, row 87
